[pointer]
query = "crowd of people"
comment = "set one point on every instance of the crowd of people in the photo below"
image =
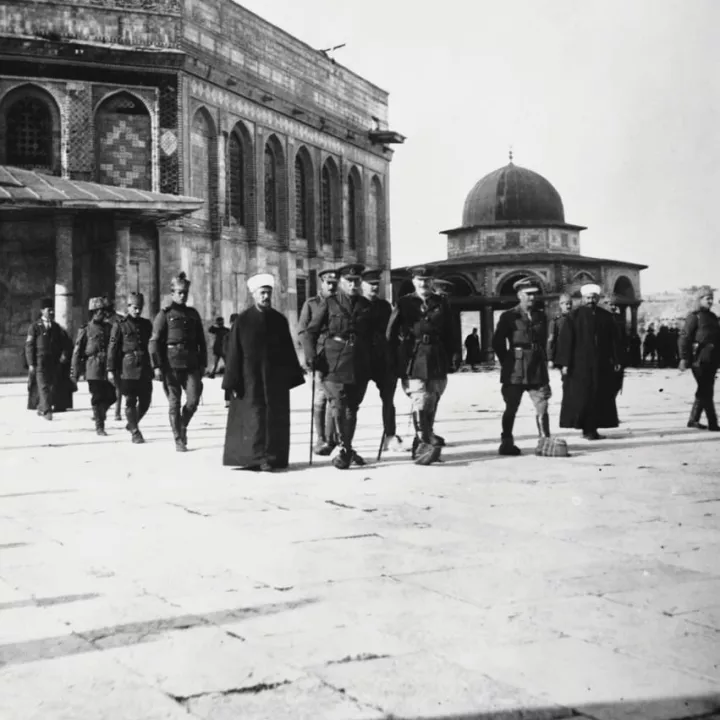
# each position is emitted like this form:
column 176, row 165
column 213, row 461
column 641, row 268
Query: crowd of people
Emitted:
column 351, row 337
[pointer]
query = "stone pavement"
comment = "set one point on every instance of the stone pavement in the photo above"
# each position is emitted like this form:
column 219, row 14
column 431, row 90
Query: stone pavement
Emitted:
column 137, row 583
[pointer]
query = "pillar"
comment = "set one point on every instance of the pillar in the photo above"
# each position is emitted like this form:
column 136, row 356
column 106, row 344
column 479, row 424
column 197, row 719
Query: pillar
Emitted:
column 633, row 318
column 64, row 271
column 487, row 327
column 122, row 259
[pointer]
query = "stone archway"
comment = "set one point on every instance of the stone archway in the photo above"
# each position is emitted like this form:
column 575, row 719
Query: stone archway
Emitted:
column 624, row 289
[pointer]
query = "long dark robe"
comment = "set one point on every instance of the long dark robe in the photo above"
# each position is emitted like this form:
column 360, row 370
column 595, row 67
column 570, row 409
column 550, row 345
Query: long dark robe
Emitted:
column 472, row 350
column 587, row 346
column 261, row 369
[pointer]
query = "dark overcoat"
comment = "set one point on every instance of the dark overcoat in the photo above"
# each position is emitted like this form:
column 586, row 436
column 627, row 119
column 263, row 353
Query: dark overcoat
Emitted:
column 588, row 348
column 262, row 367
column 699, row 341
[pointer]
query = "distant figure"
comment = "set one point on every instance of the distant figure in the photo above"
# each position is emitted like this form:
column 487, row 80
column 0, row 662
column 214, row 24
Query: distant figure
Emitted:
column 622, row 343
column 650, row 345
column 220, row 332
column 472, row 350
column 635, row 345
column 565, row 303
column 228, row 393
column 262, row 367
column 587, row 352
column 699, row 349
column 662, row 343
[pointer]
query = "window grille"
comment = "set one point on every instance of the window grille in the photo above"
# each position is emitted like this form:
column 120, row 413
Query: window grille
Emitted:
column 237, row 179
column 352, row 213
column 301, row 199
column 29, row 134
column 270, row 190
column 326, row 205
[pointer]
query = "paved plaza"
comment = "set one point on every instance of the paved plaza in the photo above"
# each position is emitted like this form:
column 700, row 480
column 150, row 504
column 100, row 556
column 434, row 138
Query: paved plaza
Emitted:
column 137, row 583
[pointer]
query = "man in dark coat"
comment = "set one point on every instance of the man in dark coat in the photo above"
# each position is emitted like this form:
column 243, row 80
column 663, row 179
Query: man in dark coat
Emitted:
column 129, row 363
column 422, row 338
column 90, row 359
column 322, row 418
column 219, row 331
column 565, row 303
column 382, row 369
column 178, row 355
column 45, row 349
column 472, row 350
column 699, row 349
column 519, row 342
column 228, row 393
column 649, row 345
column 261, row 369
column 345, row 321
column 588, row 355
column 622, row 342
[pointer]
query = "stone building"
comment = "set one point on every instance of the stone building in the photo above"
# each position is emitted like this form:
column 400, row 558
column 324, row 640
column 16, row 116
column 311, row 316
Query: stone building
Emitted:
column 513, row 226
column 143, row 137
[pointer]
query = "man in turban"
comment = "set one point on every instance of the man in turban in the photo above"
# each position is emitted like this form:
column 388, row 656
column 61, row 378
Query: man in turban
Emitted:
column 588, row 355
column 261, row 369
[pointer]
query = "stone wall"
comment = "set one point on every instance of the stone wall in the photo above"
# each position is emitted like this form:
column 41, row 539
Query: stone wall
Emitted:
column 475, row 241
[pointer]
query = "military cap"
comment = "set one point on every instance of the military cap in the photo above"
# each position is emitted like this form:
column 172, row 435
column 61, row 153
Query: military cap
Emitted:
column 47, row 303
column 372, row 277
column 525, row 285
column 135, row 298
column 444, row 285
column 353, row 271
column 97, row 303
column 329, row 274
column 423, row 272
column 703, row 291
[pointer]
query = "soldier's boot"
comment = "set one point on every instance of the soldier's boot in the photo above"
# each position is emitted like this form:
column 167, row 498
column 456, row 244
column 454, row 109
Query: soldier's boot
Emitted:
column 118, row 407
column 543, row 425
column 694, row 419
column 426, row 451
column 341, row 456
column 435, row 439
column 508, row 447
column 185, row 417
column 175, row 424
column 355, row 459
column 322, row 446
column 712, row 416
column 99, row 415
column 132, row 425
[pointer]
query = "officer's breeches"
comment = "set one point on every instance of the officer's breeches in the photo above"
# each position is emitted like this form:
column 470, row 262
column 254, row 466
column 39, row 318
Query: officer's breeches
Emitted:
column 512, row 395
column 102, row 396
column 175, row 381
column 386, row 385
column 344, row 402
column 424, row 394
column 139, row 396
column 705, row 392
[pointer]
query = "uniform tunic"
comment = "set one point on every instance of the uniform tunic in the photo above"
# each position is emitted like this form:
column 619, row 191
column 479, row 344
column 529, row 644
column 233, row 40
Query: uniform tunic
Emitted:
column 588, row 348
column 553, row 333
column 90, row 358
column 262, row 367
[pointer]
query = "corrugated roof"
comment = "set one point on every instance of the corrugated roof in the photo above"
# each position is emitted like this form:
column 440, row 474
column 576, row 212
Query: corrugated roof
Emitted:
column 26, row 189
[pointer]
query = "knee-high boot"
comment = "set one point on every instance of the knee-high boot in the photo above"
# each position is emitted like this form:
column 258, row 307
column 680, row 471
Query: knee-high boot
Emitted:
column 425, row 451
column 543, row 424
column 99, row 413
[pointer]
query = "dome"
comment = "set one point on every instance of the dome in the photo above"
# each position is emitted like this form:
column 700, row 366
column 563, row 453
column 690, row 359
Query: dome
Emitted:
column 513, row 195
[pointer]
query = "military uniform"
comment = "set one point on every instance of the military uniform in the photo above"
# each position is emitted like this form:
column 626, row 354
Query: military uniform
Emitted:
column 553, row 333
column 519, row 342
column 178, row 349
column 322, row 420
column 699, row 348
column 422, row 340
column 90, row 358
column 129, row 358
column 45, row 349
column 113, row 318
column 345, row 322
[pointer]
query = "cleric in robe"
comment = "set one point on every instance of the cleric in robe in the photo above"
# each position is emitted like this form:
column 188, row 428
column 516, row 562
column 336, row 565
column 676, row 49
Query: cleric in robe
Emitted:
column 261, row 369
column 589, row 356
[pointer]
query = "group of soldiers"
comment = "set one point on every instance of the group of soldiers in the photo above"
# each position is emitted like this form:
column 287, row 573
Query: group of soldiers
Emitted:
column 352, row 337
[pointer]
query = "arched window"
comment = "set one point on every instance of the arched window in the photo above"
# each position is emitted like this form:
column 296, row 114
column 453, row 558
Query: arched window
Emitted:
column 29, row 134
column 326, row 205
column 271, row 189
column 123, row 142
column 202, row 140
column 377, row 222
column 354, row 210
column 302, row 200
column 372, row 223
column 236, row 184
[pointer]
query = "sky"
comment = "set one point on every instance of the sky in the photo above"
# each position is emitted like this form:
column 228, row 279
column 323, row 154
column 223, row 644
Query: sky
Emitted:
column 615, row 102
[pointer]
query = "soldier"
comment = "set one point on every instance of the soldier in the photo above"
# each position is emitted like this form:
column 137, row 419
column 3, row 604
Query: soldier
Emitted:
column 421, row 337
column 178, row 355
column 220, row 332
column 45, row 350
column 565, row 303
column 322, row 420
column 382, row 369
column 90, row 359
column 520, row 342
column 345, row 321
column 114, row 317
column 699, row 348
column 129, row 362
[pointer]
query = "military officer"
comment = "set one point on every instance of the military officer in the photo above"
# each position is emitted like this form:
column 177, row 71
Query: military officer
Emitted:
column 345, row 321
column 323, row 420
column 129, row 360
column 421, row 337
column 90, row 359
column 44, row 352
column 178, row 354
column 520, row 342
column 382, row 369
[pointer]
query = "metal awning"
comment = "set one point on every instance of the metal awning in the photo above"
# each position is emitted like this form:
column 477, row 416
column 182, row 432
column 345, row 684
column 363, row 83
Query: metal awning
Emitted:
column 28, row 189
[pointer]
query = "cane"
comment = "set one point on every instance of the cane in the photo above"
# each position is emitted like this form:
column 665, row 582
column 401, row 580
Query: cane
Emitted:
column 312, row 416
column 380, row 449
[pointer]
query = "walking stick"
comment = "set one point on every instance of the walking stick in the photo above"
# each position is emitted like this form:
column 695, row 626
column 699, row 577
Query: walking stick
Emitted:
column 312, row 416
column 380, row 449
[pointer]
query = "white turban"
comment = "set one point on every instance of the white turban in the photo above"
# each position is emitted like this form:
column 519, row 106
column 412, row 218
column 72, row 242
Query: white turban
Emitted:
column 260, row 280
column 590, row 289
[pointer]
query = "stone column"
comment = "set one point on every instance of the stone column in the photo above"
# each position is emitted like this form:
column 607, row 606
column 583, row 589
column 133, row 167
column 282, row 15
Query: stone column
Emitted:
column 64, row 271
column 122, row 259
column 633, row 318
column 487, row 328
